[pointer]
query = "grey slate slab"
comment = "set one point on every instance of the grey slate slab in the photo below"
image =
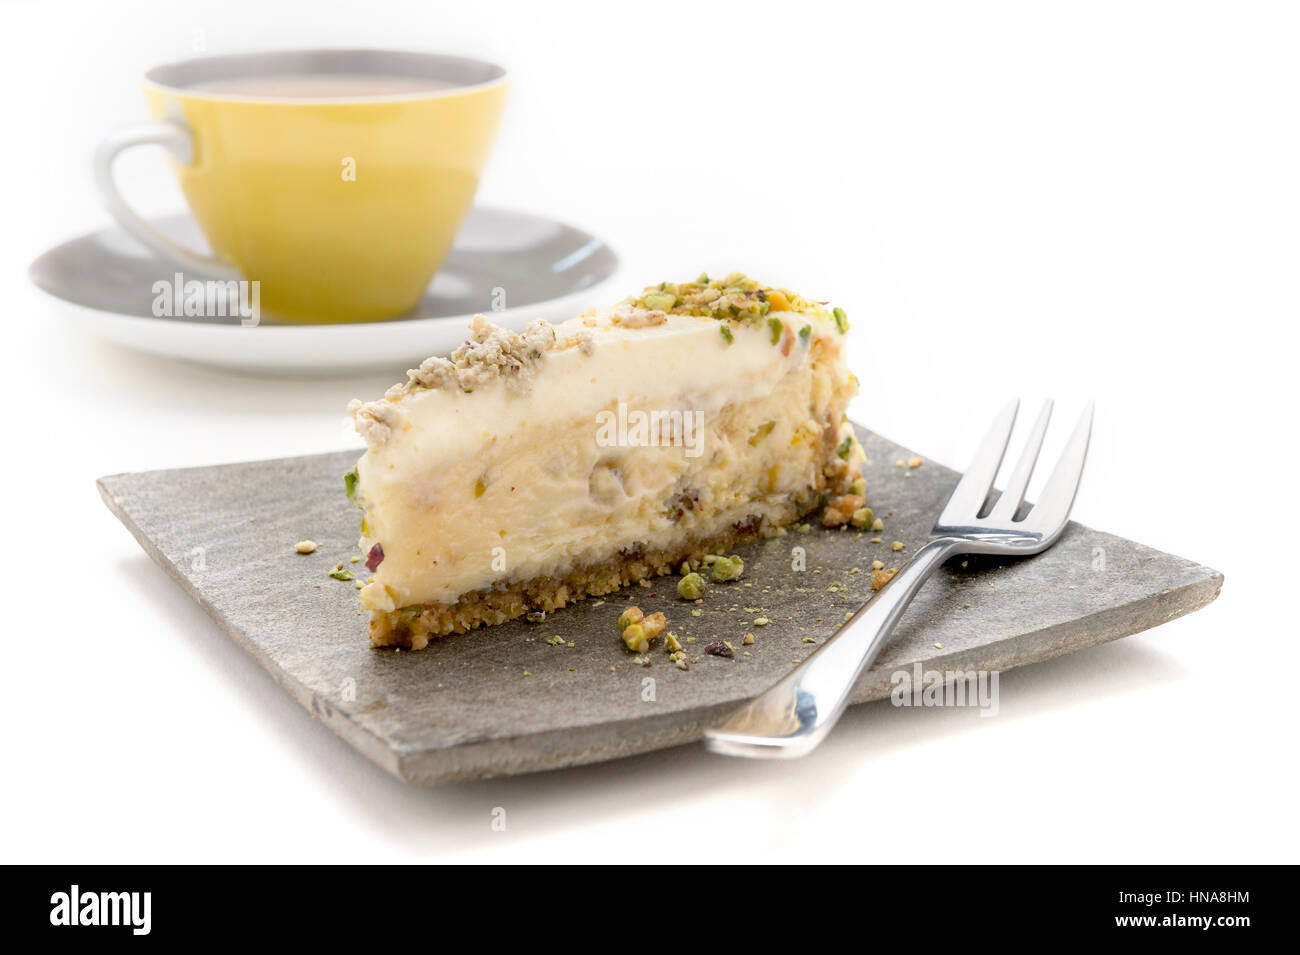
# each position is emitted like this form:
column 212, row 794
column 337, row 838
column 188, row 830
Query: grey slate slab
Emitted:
column 464, row 708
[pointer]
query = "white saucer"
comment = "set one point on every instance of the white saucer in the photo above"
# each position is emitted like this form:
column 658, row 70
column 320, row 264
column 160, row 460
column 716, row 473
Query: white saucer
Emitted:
column 544, row 269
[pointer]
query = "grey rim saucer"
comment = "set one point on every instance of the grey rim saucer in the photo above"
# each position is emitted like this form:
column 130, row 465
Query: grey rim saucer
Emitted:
column 104, row 282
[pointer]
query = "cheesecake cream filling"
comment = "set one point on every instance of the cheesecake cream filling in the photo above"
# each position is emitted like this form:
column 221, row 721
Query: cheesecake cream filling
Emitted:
column 645, row 436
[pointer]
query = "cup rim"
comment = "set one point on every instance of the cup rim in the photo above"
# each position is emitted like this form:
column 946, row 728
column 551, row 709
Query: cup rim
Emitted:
column 156, row 77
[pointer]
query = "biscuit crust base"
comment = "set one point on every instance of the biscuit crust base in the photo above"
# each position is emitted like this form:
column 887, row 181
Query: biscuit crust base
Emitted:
column 413, row 627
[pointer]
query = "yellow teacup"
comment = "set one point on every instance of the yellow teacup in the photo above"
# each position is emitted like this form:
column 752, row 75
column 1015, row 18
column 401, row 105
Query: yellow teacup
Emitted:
column 336, row 179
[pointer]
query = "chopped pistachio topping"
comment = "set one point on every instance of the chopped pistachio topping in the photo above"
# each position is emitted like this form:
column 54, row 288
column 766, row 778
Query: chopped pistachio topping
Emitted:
column 736, row 297
column 660, row 301
column 554, row 640
column 339, row 574
column 841, row 319
column 805, row 333
column 845, row 447
column 726, row 333
column 863, row 518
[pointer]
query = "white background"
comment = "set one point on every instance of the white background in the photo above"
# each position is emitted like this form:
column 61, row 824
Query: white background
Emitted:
column 1094, row 200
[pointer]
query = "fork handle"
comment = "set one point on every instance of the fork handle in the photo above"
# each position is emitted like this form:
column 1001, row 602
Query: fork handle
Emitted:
column 795, row 715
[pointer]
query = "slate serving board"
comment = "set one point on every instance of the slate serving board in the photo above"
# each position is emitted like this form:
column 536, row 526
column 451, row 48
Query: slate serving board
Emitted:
column 503, row 701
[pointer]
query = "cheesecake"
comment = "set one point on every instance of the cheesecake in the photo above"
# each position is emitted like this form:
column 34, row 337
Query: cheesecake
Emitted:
column 531, row 469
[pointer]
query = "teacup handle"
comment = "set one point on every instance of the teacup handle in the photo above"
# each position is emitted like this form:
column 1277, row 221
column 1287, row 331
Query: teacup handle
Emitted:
column 175, row 138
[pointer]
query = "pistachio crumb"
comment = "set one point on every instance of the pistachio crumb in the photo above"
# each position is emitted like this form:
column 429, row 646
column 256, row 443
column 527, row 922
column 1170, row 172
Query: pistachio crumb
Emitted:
column 881, row 577
column 725, row 569
column 690, row 587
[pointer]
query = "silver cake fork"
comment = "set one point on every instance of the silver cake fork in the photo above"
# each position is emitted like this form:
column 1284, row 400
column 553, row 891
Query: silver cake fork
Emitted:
column 792, row 717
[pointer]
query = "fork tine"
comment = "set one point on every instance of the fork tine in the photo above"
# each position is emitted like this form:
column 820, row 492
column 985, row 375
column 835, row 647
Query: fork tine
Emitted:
column 1053, row 508
column 969, row 494
column 1014, row 493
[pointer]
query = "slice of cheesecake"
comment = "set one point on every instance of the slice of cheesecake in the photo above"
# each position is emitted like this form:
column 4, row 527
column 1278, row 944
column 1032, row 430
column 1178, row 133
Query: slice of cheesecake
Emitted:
column 530, row 470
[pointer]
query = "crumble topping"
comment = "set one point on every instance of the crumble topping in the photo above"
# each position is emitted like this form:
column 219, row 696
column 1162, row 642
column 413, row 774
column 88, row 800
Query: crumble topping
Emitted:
column 490, row 354
column 375, row 420
column 628, row 315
